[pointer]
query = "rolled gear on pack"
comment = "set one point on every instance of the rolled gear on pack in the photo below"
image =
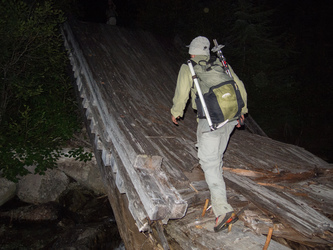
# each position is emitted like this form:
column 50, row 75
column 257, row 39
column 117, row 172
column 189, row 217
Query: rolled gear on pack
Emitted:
column 221, row 93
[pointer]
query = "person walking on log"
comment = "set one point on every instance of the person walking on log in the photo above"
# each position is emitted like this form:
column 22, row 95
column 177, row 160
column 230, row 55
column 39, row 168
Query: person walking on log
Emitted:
column 211, row 144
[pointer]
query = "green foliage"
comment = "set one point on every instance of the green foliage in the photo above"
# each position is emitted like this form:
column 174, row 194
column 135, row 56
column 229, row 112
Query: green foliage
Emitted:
column 79, row 154
column 37, row 111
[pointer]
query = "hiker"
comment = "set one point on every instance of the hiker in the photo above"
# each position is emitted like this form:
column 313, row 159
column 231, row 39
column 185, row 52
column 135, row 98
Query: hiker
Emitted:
column 211, row 144
column 111, row 13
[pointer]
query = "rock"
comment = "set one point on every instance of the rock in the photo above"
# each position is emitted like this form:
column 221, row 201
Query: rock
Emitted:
column 7, row 190
column 89, row 236
column 84, row 203
column 80, row 219
column 85, row 173
column 38, row 189
column 32, row 213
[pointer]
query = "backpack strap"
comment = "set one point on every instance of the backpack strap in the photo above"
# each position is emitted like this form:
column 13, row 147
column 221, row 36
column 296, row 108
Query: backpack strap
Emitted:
column 210, row 62
column 193, row 63
column 212, row 59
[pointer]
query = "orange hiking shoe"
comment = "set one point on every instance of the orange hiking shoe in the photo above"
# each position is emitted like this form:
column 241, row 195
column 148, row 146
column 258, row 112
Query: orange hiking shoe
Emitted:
column 224, row 222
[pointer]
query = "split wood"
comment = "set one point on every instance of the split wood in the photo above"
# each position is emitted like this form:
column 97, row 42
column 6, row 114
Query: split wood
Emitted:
column 205, row 208
column 268, row 239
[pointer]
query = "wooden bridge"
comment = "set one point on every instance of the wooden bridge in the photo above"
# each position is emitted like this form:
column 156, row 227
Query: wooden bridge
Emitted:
column 125, row 80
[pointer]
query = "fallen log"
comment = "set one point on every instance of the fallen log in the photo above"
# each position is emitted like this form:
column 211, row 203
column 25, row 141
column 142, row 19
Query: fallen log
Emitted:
column 285, row 207
column 246, row 172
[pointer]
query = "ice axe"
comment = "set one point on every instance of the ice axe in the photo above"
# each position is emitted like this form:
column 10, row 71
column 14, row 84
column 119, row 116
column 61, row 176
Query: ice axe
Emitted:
column 218, row 50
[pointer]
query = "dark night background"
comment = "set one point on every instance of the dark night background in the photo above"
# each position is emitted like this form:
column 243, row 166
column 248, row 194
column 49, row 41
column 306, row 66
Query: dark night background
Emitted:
column 282, row 50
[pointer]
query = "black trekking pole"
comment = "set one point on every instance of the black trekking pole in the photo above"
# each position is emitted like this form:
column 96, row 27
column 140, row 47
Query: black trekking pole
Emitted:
column 218, row 50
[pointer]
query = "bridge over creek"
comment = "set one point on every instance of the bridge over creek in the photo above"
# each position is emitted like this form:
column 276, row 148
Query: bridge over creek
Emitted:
column 125, row 81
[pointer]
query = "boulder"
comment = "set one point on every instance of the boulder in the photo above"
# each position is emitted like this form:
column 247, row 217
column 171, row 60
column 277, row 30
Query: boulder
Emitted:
column 7, row 190
column 85, row 173
column 32, row 213
column 37, row 189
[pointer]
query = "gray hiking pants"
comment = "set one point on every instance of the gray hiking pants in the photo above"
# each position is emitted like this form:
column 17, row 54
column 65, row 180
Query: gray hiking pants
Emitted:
column 211, row 146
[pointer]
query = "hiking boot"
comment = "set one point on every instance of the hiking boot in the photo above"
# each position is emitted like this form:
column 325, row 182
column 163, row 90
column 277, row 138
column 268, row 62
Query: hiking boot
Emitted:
column 224, row 222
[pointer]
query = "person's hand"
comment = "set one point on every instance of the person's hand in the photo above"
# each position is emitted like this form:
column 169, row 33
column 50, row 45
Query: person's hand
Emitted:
column 174, row 120
column 240, row 121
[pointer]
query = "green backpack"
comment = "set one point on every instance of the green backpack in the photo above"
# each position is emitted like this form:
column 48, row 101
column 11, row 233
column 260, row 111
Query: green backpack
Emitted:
column 221, row 93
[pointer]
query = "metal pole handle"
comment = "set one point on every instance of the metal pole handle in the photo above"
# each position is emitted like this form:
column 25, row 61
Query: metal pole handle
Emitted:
column 218, row 50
